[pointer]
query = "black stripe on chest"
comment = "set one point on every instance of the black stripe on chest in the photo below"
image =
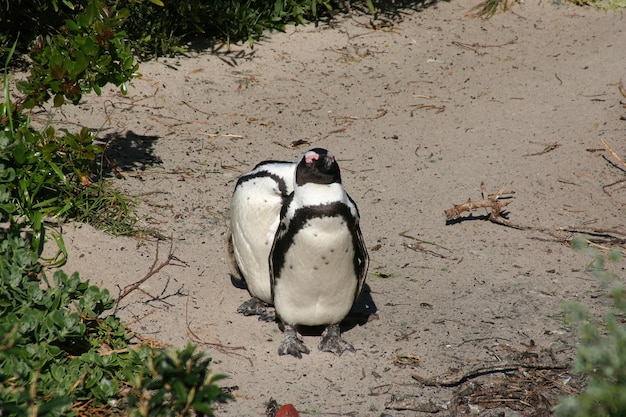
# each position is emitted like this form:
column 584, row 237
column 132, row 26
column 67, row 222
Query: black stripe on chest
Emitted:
column 301, row 217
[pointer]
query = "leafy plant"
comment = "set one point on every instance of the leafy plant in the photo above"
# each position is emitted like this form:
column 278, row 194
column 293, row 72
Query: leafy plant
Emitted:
column 602, row 350
column 487, row 8
column 43, row 174
column 157, row 28
column 87, row 53
column 175, row 383
column 60, row 355
column 50, row 174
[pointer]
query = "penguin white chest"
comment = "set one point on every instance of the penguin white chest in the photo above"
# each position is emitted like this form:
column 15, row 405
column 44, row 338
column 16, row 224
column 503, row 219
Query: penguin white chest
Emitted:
column 317, row 283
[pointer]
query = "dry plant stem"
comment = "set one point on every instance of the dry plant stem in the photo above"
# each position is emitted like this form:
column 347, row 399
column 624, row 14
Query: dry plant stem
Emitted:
column 492, row 202
column 154, row 269
column 549, row 148
column 474, row 46
column 445, row 381
column 220, row 347
column 597, row 235
column 620, row 162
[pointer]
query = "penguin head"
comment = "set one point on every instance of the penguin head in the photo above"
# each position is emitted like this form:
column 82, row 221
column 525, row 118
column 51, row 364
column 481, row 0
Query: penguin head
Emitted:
column 318, row 166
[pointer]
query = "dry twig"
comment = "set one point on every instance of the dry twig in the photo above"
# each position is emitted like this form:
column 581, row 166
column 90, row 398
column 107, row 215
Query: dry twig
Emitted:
column 594, row 235
column 447, row 381
column 491, row 201
column 220, row 347
column 549, row 147
column 154, row 269
column 620, row 162
column 474, row 46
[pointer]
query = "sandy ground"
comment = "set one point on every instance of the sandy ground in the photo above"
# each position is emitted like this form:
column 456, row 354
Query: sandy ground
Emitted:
column 418, row 114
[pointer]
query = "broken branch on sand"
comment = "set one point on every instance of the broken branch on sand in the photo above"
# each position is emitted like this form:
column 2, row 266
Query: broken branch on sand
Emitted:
column 490, row 201
column 563, row 234
column 154, row 269
column 446, row 381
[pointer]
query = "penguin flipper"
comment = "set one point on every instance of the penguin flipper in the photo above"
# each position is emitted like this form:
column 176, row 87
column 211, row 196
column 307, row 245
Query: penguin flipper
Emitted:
column 362, row 259
column 235, row 272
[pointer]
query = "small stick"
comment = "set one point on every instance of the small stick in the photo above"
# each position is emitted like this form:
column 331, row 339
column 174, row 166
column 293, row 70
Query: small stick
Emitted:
column 478, row 45
column 622, row 90
column 597, row 235
column 615, row 155
column 227, row 350
column 549, row 147
column 441, row 381
column 470, row 205
column 154, row 269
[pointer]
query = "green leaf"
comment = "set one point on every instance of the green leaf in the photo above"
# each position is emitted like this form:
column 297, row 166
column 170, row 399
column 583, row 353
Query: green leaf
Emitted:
column 56, row 407
column 180, row 391
column 57, row 71
column 59, row 100
column 108, row 387
column 71, row 25
column 59, row 173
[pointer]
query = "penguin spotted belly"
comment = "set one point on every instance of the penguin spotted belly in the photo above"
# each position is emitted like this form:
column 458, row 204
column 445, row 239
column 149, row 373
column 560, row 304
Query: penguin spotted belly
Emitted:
column 318, row 283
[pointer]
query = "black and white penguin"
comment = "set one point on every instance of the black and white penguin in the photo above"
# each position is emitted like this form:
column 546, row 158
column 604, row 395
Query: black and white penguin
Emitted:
column 318, row 261
column 254, row 216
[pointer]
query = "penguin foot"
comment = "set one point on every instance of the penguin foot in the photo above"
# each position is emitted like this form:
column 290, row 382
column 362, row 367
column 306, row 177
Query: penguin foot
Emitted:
column 254, row 307
column 292, row 344
column 332, row 341
column 268, row 315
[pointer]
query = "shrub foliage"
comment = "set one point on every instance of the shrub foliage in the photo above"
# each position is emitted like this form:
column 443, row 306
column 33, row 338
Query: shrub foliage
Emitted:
column 61, row 355
column 601, row 354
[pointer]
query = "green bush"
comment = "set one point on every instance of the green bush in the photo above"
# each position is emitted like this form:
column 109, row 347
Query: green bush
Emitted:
column 162, row 27
column 601, row 354
column 59, row 353
column 86, row 53
column 57, row 174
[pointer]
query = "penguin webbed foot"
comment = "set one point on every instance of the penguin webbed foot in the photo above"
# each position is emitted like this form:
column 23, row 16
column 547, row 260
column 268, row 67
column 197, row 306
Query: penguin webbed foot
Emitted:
column 292, row 344
column 332, row 341
column 256, row 307
column 268, row 315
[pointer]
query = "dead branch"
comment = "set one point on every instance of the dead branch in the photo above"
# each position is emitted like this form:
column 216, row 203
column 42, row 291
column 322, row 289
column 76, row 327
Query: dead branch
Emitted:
column 417, row 246
column 595, row 235
column 490, row 201
column 154, row 269
column 447, row 381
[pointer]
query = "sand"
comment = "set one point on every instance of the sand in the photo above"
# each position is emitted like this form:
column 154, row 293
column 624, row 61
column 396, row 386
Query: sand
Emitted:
column 418, row 113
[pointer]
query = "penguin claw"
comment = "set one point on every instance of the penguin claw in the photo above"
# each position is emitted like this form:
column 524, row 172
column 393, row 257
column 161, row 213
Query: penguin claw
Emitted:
column 254, row 307
column 332, row 341
column 292, row 345
column 268, row 315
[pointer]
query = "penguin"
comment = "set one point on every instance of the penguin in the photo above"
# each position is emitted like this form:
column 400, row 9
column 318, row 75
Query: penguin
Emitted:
column 318, row 261
column 254, row 217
